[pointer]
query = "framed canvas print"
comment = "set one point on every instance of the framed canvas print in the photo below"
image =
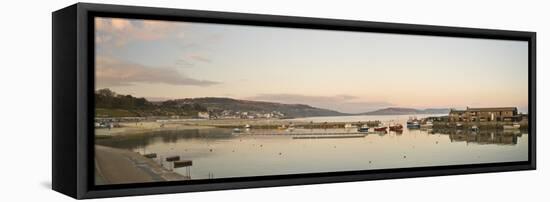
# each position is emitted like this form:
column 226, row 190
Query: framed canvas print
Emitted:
column 155, row 100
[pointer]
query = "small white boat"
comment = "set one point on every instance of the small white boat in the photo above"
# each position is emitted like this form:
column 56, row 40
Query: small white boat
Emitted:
column 413, row 123
column 428, row 124
column 236, row 130
column 474, row 128
column 515, row 126
column 363, row 128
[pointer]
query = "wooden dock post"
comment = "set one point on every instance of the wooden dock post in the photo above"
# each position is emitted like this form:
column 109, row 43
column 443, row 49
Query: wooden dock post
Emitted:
column 172, row 158
column 151, row 155
column 184, row 163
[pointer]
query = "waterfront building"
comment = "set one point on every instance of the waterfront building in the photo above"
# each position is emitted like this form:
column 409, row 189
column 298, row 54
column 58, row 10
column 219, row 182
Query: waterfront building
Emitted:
column 484, row 114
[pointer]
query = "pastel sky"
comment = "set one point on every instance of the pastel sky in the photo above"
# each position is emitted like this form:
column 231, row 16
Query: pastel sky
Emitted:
column 339, row 70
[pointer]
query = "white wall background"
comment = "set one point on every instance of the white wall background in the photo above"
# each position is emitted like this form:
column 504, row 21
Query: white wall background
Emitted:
column 25, row 112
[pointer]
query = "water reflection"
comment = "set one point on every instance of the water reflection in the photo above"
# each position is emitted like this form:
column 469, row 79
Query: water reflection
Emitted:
column 217, row 153
column 138, row 141
column 497, row 137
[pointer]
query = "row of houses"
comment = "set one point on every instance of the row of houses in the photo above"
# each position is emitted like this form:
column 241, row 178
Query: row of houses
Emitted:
column 228, row 114
column 485, row 114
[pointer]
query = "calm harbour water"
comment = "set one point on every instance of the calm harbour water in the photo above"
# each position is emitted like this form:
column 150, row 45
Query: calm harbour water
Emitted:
column 216, row 153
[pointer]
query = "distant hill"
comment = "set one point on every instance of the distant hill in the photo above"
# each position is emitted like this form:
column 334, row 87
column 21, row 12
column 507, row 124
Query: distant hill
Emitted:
column 111, row 104
column 436, row 111
column 405, row 111
column 289, row 110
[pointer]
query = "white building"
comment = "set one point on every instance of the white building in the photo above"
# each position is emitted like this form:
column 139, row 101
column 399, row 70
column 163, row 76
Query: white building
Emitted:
column 203, row 115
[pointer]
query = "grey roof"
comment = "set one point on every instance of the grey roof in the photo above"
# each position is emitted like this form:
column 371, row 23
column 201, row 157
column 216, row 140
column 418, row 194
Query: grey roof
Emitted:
column 457, row 110
column 492, row 109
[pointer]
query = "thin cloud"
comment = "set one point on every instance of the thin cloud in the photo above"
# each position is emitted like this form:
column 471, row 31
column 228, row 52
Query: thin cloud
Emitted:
column 342, row 103
column 184, row 63
column 119, row 32
column 191, row 60
column 200, row 58
column 113, row 72
column 299, row 99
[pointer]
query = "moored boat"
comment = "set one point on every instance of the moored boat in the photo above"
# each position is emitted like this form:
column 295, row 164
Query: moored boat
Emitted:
column 363, row 128
column 428, row 124
column 396, row 127
column 380, row 128
column 413, row 123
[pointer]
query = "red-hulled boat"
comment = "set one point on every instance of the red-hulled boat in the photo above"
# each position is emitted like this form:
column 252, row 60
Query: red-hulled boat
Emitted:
column 380, row 129
column 397, row 127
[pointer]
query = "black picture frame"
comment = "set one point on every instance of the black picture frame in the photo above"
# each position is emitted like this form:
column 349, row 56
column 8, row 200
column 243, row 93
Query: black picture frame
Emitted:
column 73, row 97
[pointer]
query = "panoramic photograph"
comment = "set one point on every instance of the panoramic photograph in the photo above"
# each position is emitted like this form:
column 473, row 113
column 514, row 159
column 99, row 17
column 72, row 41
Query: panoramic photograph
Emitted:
column 184, row 101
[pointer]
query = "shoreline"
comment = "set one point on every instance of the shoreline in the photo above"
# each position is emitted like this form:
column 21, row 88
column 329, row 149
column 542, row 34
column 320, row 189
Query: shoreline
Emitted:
column 144, row 127
column 128, row 128
column 118, row 166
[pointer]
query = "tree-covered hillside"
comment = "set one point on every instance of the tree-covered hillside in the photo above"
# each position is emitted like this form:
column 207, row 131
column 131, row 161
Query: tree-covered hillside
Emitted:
column 111, row 104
